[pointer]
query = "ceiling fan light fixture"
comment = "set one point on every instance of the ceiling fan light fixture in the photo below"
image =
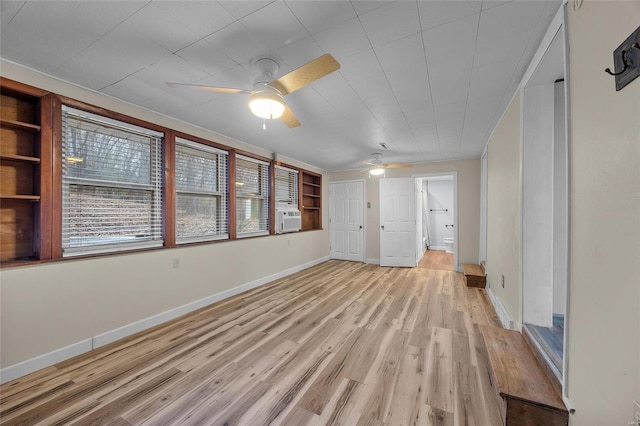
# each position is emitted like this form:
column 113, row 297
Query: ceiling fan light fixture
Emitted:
column 376, row 171
column 267, row 103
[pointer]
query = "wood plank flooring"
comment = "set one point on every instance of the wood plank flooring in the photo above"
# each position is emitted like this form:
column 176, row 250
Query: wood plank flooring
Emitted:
column 340, row 343
column 437, row 259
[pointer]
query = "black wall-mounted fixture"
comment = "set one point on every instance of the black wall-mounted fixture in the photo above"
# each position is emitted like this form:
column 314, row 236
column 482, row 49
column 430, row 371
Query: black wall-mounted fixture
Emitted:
column 626, row 61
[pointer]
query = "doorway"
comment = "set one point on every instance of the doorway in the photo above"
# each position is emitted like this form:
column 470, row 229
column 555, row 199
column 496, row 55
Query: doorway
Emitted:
column 545, row 204
column 437, row 221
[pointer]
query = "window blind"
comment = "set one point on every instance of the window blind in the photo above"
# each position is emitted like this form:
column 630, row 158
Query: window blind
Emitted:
column 111, row 185
column 286, row 185
column 201, row 192
column 252, row 196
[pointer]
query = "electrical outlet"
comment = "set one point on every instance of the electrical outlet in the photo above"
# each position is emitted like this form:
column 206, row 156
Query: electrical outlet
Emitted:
column 289, row 242
column 176, row 263
column 502, row 280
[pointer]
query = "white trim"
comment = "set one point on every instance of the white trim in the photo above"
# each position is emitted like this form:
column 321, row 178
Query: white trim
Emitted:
column 373, row 261
column 45, row 360
column 437, row 248
column 500, row 309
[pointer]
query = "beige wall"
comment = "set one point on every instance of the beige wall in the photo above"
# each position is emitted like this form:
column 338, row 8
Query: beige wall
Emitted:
column 46, row 307
column 604, row 319
column 504, row 214
column 468, row 171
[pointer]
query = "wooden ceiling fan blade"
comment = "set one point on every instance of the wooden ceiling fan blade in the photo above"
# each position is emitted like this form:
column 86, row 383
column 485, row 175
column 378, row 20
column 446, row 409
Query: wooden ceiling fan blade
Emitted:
column 289, row 118
column 397, row 166
column 306, row 74
column 230, row 90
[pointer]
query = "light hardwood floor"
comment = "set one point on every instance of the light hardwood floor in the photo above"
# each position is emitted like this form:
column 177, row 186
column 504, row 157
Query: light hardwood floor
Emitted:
column 437, row 259
column 340, row 343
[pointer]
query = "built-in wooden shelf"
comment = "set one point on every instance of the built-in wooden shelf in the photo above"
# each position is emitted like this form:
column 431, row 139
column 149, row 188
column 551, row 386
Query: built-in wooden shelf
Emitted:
column 311, row 208
column 16, row 157
column 21, row 125
column 20, row 197
column 311, row 195
column 312, row 184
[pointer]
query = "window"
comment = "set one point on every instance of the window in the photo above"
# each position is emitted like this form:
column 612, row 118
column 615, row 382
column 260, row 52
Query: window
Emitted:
column 286, row 185
column 252, row 196
column 111, row 185
column 201, row 192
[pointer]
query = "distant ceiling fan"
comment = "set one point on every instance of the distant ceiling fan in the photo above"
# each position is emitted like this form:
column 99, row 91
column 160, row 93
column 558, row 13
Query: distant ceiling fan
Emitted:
column 266, row 98
column 377, row 167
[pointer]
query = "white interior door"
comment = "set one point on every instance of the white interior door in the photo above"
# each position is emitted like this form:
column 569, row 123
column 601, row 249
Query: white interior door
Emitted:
column 346, row 220
column 397, row 222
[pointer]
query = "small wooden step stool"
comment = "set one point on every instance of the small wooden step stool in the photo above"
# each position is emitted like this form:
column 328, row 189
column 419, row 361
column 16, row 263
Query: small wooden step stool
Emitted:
column 526, row 396
column 474, row 275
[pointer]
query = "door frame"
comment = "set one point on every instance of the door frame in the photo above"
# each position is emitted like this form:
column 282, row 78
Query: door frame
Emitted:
column 558, row 27
column 456, row 243
column 364, row 215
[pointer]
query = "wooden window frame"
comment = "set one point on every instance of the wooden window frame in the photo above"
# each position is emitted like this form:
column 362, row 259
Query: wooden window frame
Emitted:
column 48, row 229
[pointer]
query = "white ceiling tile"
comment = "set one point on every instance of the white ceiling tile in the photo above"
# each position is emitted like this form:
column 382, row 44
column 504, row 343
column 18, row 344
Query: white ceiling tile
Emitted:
column 9, row 9
column 450, row 113
column 275, row 26
column 170, row 69
column 434, row 13
column 63, row 30
column 403, row 14
column 240, row 9
column 489, row 51
column 206, row 57
column 363, row 6
column 294, row 55
column 334, row 88
column 94, row 67
column 449, row 87
column 201, row 17
column 317, row 16
column 155, row 24
column 491, row 79
column 510, row 18
column 344, row 40
column 237, row 43
column 419, row 115
column 404, row 64
column 488, row 4
column 385, row 95
column 130, row 52
column 450, row 47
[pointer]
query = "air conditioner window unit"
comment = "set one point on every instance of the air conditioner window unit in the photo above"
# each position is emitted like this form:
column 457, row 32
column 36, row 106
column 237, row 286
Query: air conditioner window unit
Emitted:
column 288, row 218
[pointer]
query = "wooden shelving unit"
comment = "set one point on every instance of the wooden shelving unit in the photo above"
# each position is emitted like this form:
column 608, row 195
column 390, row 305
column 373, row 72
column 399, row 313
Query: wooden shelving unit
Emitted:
column 311, row 200
column 20, row 175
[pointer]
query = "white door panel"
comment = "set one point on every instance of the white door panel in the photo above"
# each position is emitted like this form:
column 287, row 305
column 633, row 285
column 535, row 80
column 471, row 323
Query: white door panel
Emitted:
column 397, row 222
column 346, row 220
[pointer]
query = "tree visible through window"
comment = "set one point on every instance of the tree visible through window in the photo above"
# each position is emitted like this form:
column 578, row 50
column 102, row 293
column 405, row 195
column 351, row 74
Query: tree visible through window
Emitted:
column 252, row 196
column 111, row 185
column 201, row 192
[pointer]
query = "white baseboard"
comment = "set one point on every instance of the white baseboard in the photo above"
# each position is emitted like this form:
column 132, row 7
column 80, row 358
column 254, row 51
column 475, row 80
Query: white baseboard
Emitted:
column 42, row 361
column 45, row 360
column 502, row 312
column 373, row 261
column 442, row 248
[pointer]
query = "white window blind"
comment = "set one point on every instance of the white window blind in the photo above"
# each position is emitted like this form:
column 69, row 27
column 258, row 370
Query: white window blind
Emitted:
column 201, row 192
column 286, row 185
column 111, row 185
column 252, row 196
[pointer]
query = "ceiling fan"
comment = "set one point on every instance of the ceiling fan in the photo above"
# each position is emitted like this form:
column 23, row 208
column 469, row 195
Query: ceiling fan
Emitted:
column 377, row 167
column 266, row 98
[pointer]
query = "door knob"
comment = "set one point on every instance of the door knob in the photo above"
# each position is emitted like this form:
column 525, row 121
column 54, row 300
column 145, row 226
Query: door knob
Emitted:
column 360, row 226
column 382, row 227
